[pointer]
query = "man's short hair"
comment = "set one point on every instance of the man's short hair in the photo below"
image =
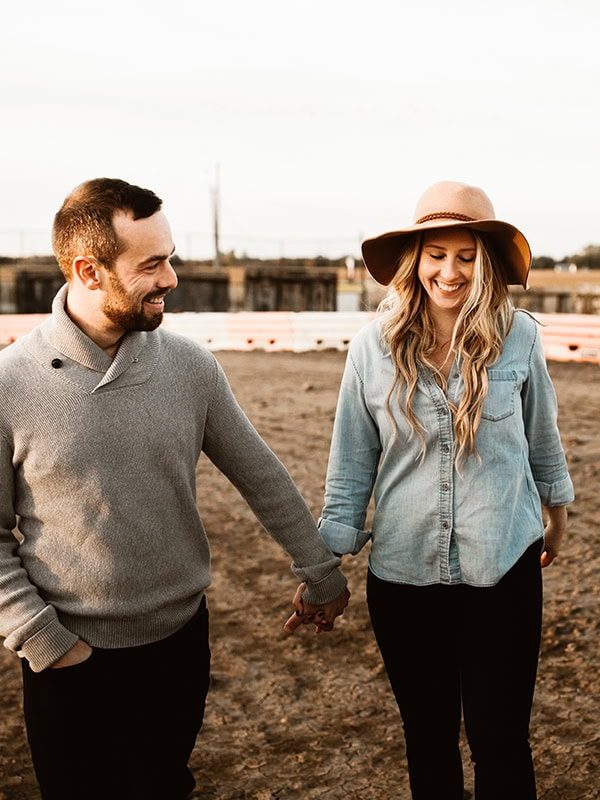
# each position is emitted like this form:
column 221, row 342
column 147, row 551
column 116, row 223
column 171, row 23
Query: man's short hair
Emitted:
column 83, row 226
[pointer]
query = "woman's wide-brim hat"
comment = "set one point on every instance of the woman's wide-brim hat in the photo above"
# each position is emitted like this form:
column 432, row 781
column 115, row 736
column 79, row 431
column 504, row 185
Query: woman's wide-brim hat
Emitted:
column 449, row 204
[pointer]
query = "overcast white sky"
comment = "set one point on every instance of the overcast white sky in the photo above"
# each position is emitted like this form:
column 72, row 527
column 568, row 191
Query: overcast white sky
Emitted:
column 328, row 117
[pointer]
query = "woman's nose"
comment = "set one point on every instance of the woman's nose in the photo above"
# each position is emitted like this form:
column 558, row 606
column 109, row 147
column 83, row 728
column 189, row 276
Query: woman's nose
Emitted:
column 450, row 268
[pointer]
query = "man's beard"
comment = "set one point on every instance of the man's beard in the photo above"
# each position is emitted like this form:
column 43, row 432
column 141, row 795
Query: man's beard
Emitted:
column 124, row 312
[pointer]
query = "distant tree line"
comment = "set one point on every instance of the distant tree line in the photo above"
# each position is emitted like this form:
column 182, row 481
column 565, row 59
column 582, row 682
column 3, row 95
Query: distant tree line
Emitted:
column 588, row 258
column 231, row 259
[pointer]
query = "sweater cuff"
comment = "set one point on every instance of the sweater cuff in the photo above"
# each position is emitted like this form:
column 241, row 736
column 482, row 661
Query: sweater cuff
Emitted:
column 325, row 590
column 341, row 538
column 559, row 493
column 47, row 645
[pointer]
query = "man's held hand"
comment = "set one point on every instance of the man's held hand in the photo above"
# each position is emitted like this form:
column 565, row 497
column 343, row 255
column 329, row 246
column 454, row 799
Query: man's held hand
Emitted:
column 321, row 616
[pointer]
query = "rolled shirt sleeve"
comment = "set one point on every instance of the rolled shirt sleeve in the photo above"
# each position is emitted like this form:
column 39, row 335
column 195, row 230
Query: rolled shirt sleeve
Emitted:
column 352, row 468
column 546, row 454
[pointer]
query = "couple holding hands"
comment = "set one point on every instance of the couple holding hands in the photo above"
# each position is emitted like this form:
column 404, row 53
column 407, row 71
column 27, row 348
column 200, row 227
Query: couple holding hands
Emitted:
column 446, row 414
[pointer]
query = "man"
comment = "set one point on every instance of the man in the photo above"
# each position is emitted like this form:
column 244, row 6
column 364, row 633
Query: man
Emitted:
column 103, row 557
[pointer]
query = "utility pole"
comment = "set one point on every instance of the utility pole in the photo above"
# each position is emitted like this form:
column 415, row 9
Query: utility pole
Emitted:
column 364, row 294
column 215, row 209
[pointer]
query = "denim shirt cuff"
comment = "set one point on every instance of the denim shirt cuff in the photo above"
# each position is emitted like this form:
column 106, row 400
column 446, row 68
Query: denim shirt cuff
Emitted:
column 342, row 538
column 559, row 493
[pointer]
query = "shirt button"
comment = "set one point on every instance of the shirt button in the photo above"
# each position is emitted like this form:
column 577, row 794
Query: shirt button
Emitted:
column 56, row 363
column 445, row 525
column 445, row 487
column 445, row 448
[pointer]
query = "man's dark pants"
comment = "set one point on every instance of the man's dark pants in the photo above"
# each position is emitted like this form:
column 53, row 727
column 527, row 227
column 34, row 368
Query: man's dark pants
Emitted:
column 121, row 725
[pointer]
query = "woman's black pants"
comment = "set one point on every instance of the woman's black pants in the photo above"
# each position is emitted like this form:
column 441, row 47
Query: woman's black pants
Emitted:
column 477, row 647
column 121, row 725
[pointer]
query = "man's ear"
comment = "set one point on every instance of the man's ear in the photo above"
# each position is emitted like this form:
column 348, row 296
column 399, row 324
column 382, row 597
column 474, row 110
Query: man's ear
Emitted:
column 88, row 271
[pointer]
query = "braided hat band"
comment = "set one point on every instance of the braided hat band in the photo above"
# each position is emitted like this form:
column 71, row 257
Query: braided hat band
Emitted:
column 445, row 215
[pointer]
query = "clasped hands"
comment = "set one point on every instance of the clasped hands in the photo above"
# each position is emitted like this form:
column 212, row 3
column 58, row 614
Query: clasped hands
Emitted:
column 321, row 616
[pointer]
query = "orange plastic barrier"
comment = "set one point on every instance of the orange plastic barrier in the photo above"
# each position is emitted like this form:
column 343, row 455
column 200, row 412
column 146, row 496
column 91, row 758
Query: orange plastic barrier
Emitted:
column 14, row 325
column 261, row 330
column 571, row 337
column 566, row 337
column 318, row 330
column 210, row 330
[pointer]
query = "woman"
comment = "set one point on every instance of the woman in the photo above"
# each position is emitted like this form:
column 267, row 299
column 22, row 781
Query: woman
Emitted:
column 447, row 413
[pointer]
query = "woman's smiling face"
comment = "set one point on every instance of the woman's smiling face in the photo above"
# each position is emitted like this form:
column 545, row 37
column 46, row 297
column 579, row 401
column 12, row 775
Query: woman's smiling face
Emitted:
column 446, row 266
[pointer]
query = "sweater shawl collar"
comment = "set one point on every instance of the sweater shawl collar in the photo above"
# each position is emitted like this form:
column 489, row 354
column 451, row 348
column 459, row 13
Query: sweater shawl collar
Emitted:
column 133, row 363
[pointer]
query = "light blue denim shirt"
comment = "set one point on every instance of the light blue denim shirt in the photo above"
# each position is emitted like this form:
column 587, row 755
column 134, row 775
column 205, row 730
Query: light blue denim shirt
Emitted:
column 434, row 523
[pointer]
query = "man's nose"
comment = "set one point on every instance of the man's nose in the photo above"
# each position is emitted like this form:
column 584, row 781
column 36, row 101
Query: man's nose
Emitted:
column 168, row 276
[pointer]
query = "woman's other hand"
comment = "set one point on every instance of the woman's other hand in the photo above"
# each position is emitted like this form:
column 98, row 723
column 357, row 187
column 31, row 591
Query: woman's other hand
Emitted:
column 553, row 533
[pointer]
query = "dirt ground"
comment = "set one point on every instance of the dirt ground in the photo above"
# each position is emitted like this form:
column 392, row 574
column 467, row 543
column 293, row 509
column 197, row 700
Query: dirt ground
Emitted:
column 312, row 716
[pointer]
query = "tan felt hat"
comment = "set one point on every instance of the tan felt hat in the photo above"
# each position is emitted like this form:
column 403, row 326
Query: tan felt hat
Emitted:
column 449, row 204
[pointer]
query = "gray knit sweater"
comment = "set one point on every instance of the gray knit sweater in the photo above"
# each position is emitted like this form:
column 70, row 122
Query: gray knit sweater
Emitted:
column 100, row 536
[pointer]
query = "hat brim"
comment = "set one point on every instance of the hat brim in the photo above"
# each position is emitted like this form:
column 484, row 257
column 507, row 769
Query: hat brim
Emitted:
column 381, row 253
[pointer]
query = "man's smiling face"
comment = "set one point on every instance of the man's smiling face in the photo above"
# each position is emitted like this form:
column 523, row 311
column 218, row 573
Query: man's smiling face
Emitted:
column 142, row 274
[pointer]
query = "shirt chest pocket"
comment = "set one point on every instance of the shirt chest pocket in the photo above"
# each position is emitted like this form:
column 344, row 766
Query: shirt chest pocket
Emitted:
column 500, row 400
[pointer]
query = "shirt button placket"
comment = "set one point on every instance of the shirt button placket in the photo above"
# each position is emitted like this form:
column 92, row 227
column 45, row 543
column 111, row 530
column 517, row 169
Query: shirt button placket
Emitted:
column 445, row 478
column 445, row 490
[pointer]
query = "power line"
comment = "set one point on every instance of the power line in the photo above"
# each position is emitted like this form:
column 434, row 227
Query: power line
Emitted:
column 24, row 242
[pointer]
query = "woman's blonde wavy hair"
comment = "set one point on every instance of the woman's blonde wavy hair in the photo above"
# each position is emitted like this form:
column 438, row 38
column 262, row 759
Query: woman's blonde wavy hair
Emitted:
column 477, row 339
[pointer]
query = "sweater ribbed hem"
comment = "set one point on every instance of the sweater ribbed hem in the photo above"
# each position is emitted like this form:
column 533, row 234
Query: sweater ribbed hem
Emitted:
column 112, row 632
column 327, row 589
column 47, row 645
